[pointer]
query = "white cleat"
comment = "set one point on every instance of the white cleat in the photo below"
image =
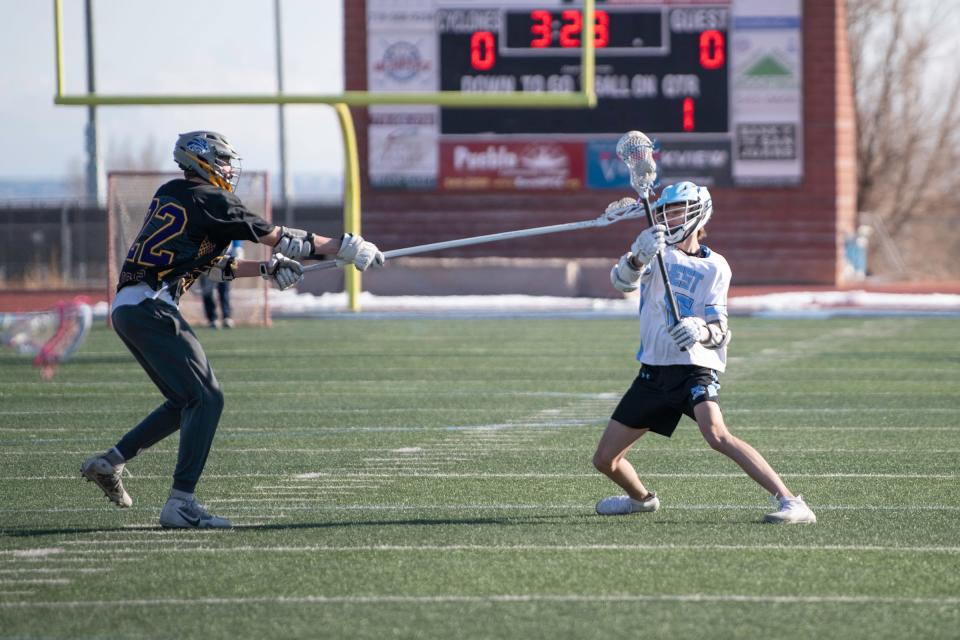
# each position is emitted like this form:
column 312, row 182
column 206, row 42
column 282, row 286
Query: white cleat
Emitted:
column 622, row 505
column 189, row 514
column 106, row 476
column 791, row 511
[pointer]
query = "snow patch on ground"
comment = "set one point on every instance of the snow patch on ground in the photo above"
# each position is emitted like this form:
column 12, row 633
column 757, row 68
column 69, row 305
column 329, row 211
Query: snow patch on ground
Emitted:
column 290, row 304
column 811, row 303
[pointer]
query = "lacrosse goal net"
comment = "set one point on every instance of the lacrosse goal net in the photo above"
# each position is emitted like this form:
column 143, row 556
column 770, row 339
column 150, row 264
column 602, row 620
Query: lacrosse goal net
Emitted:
column 128, row 196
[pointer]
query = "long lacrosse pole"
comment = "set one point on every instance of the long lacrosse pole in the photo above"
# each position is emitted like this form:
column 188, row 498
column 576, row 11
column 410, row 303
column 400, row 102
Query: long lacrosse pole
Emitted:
column 608, row 217
column 636, row 151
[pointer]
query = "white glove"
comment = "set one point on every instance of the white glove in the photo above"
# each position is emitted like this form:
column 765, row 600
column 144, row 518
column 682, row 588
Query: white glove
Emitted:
column 362, row 254
column 651, row 241
column 620, row 204
column 223, row 270
column 294, row 242
column 689, row 331
column 623, row 275
column 283, row 271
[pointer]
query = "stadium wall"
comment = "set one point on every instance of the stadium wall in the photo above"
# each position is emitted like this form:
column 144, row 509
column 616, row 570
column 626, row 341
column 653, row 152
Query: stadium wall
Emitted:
column 770, row 236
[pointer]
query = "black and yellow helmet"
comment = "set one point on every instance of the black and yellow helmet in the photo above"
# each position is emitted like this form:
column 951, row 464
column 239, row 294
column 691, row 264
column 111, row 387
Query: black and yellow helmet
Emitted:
column 210, row 156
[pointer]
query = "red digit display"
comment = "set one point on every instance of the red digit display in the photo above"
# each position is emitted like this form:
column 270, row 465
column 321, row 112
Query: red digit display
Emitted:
column 482, row 52
column 570, row 31
column 688, row 119
column 601, row 33
column 711, row 49
column 541, row 28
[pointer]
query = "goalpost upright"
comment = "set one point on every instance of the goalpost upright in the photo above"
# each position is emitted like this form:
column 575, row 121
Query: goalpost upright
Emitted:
column 586, row 97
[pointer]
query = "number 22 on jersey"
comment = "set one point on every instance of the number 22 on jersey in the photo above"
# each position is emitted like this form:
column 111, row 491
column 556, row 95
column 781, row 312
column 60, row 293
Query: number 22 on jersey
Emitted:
column 167, row 222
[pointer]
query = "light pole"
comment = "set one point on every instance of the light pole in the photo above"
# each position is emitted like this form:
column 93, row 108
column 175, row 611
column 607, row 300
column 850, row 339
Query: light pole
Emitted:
column 281, row 121
column 94, row 171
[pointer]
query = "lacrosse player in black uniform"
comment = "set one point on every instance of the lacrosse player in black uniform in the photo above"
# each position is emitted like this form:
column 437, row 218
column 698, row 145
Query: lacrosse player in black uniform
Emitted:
column 188, row 228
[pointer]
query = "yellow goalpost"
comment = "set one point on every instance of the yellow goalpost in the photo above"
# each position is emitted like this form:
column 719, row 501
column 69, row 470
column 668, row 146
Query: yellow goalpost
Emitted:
column 586, row 97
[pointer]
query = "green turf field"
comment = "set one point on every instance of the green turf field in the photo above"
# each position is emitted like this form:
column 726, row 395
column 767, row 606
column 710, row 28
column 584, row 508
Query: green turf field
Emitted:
column 432, row 478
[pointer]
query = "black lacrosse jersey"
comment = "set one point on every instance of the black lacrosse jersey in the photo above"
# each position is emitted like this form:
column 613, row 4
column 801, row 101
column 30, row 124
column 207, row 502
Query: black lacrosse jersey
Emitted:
column 188, row 227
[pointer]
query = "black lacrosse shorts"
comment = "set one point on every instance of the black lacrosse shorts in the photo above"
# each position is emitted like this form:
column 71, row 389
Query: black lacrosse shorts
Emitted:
column 660, row 395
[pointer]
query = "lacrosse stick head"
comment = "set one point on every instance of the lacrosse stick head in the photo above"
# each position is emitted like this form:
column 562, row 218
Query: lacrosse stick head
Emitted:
column 636, row 151
column 51, row 336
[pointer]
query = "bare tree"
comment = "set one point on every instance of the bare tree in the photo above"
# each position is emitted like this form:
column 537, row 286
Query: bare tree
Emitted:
column 123, row 155
column 907, row 98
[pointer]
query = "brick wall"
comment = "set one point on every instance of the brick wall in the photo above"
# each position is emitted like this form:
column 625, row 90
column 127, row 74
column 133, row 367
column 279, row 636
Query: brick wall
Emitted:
column 769, row 236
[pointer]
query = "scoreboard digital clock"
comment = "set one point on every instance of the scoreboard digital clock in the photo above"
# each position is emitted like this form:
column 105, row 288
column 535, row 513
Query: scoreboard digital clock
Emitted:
column 629, row 31
column 717, row 82
column 669, row 66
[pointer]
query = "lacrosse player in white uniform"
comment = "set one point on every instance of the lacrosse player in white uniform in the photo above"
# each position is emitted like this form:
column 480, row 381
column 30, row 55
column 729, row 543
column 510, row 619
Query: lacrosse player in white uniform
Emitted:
column 680, row 362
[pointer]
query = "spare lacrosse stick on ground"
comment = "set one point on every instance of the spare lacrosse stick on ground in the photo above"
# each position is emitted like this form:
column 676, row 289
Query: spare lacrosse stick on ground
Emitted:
column 636, row 151
column 52, row 337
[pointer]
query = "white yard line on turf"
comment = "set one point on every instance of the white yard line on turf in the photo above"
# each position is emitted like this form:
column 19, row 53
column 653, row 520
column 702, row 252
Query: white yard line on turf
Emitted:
column 308, row 504
column 298, row 488
column 421, row 457
column 48, row 570
column 488, row 599
column 286, row 503
column 541, row 429
column 440, row 450
column 307, row 411
column 392, row 387
column 507, row 475
column 59, row 560
column 245, row 411
column 520, row 548
column 41, row 552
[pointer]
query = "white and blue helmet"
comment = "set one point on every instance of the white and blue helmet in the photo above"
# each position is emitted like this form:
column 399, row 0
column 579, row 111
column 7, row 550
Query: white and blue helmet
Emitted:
column 683, row 208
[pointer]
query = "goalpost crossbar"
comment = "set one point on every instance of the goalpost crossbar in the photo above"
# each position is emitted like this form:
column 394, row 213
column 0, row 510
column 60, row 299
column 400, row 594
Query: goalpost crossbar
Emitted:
column 585, row 98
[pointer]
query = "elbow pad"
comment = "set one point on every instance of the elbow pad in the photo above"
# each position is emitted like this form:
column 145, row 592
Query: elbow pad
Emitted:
column 719, row 335
column 623, row 276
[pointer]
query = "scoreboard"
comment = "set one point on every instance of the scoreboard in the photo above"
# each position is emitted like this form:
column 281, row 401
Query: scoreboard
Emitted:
column 717, row 83
column 641, row 62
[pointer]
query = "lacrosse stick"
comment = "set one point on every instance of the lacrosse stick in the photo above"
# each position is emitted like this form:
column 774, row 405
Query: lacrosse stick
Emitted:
column 51, row 336
column 636, row 151
column 607, row 218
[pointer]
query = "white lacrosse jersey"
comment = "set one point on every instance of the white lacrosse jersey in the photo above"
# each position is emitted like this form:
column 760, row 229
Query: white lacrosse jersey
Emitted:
column 700, row 285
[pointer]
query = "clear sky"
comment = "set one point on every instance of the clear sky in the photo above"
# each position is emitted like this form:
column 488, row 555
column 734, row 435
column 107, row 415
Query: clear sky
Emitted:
column 173, row 46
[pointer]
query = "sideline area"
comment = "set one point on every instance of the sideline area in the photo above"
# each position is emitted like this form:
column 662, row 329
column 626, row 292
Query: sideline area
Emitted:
column 896, row 298
column 798, row 303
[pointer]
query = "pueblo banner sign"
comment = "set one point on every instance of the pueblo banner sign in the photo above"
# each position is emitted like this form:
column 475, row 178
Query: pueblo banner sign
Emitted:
column 511, row 165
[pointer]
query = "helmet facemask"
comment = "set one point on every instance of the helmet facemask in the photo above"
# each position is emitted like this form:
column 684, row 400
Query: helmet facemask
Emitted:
column 228, row 169
column 683, row 209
